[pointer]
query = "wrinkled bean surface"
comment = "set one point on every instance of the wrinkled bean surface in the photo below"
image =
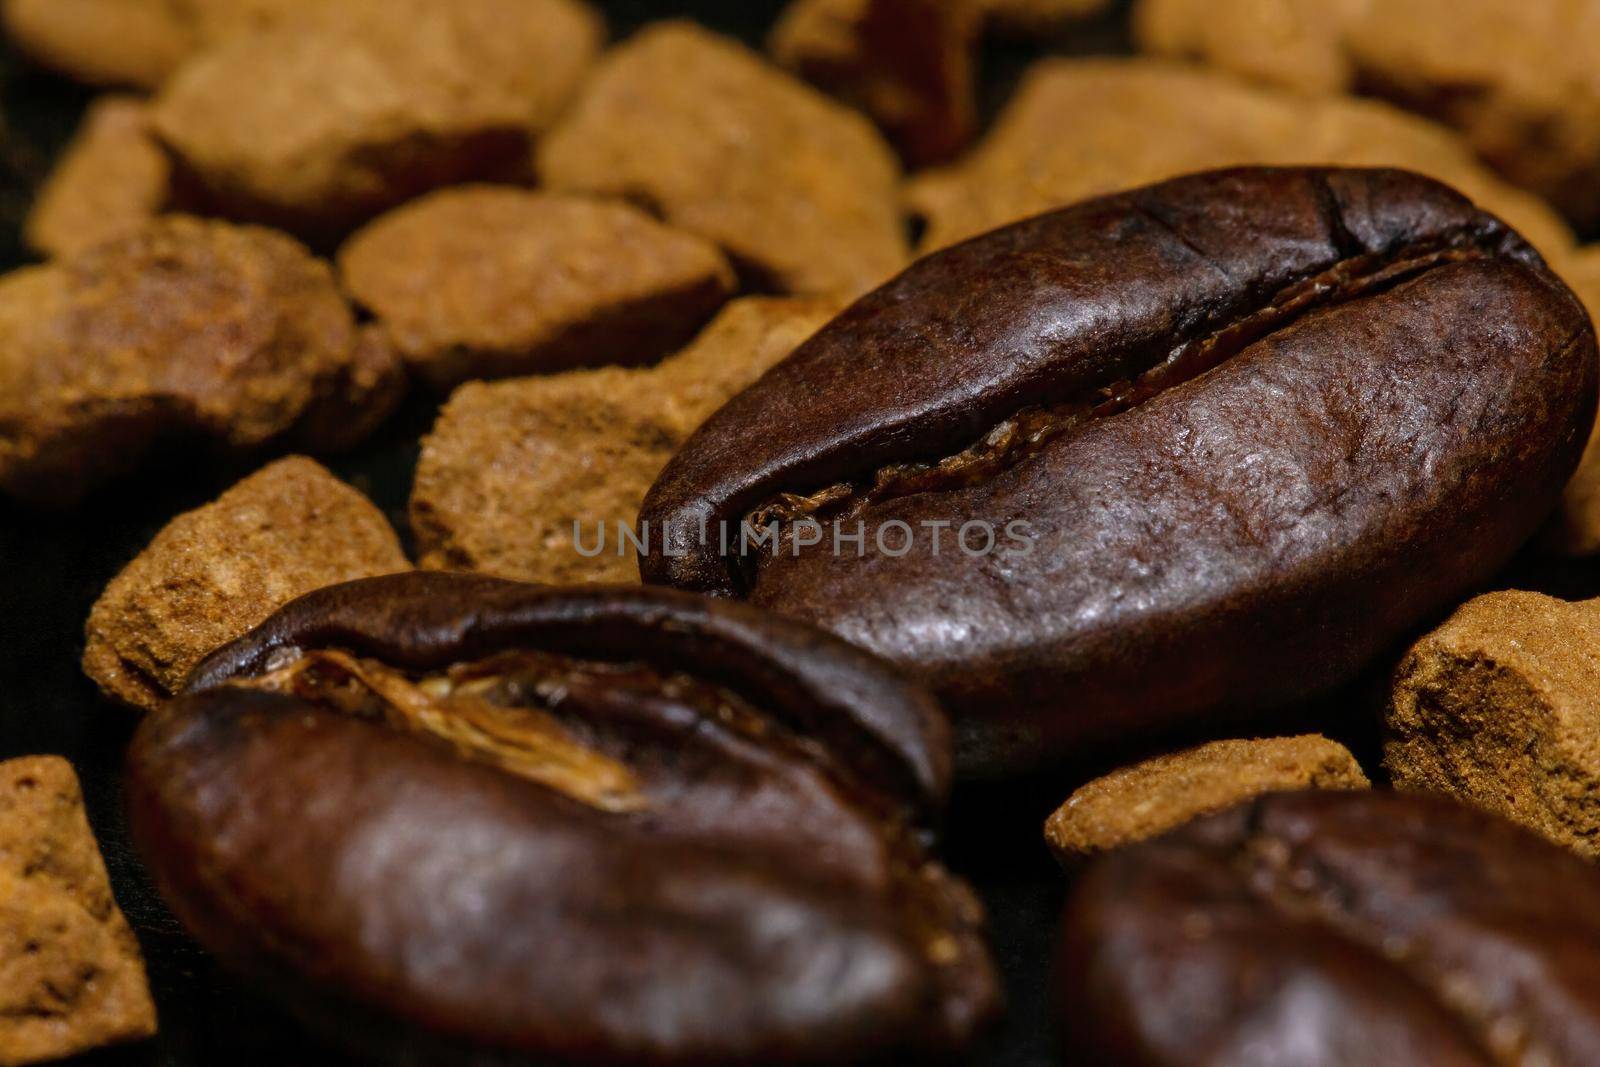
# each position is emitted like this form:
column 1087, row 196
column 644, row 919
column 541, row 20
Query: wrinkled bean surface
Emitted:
column 1323, row 929
column 596, row 826
column 1255, row 426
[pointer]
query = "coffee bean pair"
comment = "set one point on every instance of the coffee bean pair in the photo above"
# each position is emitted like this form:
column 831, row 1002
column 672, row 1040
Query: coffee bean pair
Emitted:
column 450, row 816
column 1236, row 435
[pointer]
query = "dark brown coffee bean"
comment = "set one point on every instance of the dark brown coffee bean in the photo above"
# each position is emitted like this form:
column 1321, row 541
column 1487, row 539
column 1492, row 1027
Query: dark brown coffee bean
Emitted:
column 1331, row 930
column 460, row 816
column 1256, row 425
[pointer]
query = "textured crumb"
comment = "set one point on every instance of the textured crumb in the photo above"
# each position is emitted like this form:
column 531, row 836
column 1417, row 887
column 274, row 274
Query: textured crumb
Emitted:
column 215, row 21
column 232, row 335
column 1500, row 707
column 214, row 573
column 135, row 44
column 514, row 471
column 112, row 179
column 318, row 123
column 1297, row 44
column 71, row 974
column 1507, row 76
column 1135, row 121
column 115, row 43
column 1150, row 798
column 800, row 191
column 486, row 282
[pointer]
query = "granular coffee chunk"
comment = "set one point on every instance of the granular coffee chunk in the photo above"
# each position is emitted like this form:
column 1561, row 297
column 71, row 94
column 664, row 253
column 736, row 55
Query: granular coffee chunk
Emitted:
column 112, row 179
column 518, row 475
column 71, row 974
column 215, row 572
column 1132, row 121
column 1515, row 78
column 1150, row 798
column 485, row 282
column 1500, row 707
column 800, row 191
column 323, row 121
column 132, row 43
column 185, row 328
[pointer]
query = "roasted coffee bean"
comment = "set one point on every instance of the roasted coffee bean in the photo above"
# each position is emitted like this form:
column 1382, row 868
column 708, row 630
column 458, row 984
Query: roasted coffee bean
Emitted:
column 1210, row 445
column 1334, row 929
column 451, row 815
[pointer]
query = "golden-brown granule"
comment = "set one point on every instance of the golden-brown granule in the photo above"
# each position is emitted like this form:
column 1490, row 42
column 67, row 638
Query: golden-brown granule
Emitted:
column 71, row 974
column 134, row 43
column 112, row 179
column 799, row 190
column 1082, row 128
column 116, row 43
column 1500, row 707
column 1516, row 79
column 215, row 573
column 1160, row 794
column 906, row 63
column 1296, row 44
column 1031, row 18
column 320, row 122
column 486, row 282
column 510, row 467
column 185, row 327
column 215, row 21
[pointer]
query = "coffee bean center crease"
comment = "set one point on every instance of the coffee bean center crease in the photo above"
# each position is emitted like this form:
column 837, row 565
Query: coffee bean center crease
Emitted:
column 1030, row 429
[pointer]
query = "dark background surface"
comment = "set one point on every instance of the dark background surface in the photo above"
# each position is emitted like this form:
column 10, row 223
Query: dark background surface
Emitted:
column 53, row 566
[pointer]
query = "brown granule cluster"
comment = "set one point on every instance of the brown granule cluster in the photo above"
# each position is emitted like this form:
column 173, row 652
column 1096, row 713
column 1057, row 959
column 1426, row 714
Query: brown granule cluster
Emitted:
column 1296, row 44
column 218, row 20
column 800, row 191
column 1500, row 707
column 322, row 121
column 113, row 179
column 1135, row 121
column 134, row 44
column 906, row 63
column 510, row 467
column 183, row 328
column 71, row 974
column 486, row 282
column 1148, row 799
column 215, row 573
column 1510, row 76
